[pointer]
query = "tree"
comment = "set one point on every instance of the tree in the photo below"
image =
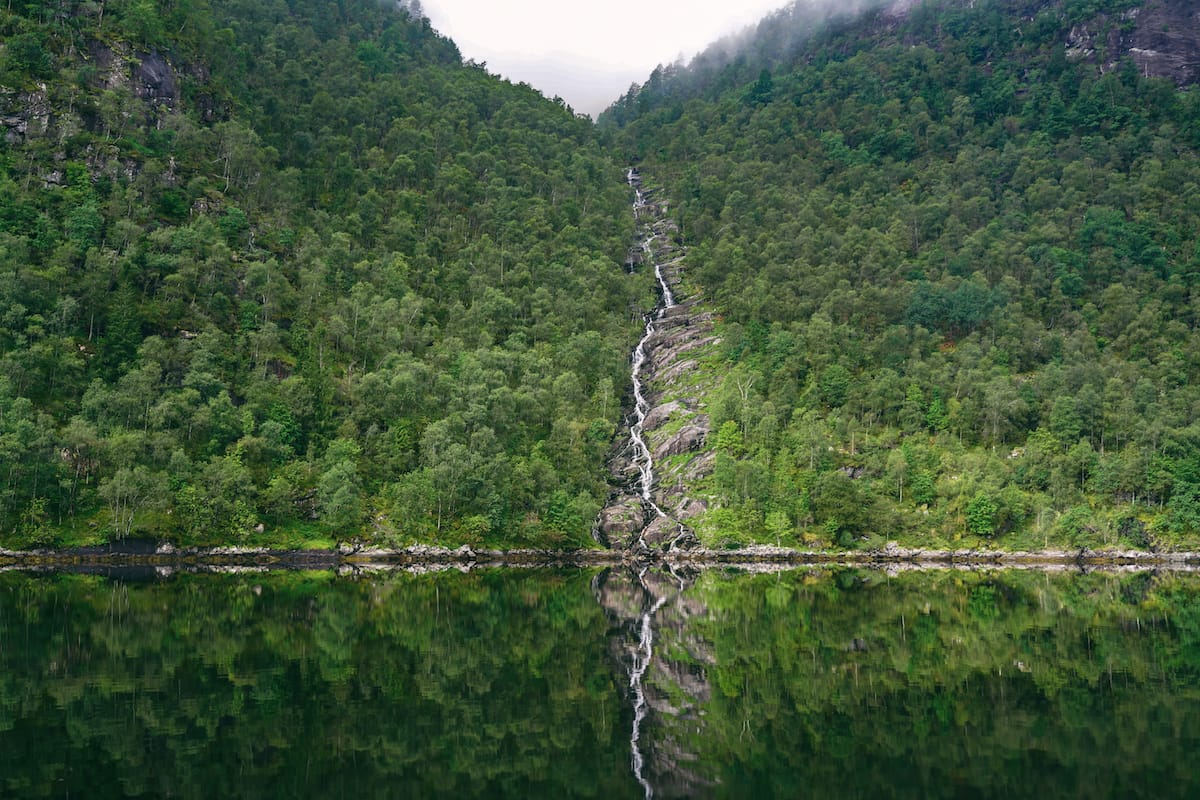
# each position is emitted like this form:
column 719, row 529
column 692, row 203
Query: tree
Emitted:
column 131, row 491
column 763, row 90
column 897, row 472
column 981, row 513
column 1183, row 509
column 840, row 505
column 339, row 489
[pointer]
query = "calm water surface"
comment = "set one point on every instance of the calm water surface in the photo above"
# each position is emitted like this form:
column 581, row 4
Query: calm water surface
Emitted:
column 509, row 683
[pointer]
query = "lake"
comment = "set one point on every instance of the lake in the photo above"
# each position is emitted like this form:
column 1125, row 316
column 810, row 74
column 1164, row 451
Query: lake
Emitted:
column 601, row 683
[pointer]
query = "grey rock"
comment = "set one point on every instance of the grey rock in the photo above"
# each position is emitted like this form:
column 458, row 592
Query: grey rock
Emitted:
column 659, row 415
column 677, row 371
column 700, row 467
column 687, row 439
column 154, row 81
column 662, row 531
column 690, row 507
column 621, row 517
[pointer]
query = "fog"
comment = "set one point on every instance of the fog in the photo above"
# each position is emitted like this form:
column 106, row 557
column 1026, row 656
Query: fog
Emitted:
column 588, row 53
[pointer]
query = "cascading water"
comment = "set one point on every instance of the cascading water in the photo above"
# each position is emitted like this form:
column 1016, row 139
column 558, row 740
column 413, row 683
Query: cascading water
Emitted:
column 642, row 455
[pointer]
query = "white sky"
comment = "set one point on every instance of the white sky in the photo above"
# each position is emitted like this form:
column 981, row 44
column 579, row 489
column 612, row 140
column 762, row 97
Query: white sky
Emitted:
column 587, row 52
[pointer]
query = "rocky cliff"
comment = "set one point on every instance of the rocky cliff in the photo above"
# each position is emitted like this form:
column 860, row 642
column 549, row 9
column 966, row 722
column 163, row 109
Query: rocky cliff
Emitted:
column 675, row 427
column 1161, row 36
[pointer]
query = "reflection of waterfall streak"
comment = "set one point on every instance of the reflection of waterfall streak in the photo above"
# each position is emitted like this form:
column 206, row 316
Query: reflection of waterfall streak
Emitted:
column 641, row 662
column 642, row 456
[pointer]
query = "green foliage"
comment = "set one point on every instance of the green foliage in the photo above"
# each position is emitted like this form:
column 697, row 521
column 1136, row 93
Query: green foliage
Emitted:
column 835, row 385
column 25, row 56
column 981, row 515
column 841, row 506
column 274, row 266
column 1183, row 509
column 1077, row 526
column 320, row 227
column 223, row 666
column 937, row 232
column 129, row 492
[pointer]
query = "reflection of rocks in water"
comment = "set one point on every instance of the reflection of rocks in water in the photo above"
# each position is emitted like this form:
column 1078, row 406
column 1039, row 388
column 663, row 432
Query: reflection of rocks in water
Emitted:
column 668, row 666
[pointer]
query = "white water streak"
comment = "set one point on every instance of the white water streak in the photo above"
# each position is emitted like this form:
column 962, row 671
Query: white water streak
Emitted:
column 641, row 663
column 642, row 456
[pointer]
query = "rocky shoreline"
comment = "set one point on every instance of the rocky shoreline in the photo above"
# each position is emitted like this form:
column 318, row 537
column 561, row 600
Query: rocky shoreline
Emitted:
column 166, row 559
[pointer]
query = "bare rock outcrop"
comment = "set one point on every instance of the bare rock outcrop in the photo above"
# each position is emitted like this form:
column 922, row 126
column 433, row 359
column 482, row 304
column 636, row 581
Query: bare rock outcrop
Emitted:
column 622, row 519
column 658, row 415
column 685, row 440
column 674, row 423
column 1162, row 37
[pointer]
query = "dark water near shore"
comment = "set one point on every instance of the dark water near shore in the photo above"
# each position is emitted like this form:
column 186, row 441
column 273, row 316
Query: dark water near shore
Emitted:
column 510, row 683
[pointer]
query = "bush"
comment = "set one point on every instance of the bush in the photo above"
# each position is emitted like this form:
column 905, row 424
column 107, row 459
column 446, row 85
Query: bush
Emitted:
column 981, row 515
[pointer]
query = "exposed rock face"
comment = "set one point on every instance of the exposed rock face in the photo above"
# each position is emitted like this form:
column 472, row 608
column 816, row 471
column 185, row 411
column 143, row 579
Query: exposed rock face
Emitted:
column 1162, row 37
column 149, row 77
column 667, row 533
column 154, row 81
column 689, row 507
column 687, row 439
column 658, row 416
column 673, row 424
column 622, row 520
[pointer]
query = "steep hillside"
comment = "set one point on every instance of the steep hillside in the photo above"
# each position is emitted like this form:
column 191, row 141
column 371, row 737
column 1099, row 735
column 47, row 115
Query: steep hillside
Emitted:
column 955, row 249
column 274, row 270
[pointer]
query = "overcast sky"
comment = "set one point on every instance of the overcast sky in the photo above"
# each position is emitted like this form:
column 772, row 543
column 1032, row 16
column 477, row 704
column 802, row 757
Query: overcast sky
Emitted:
column 585, row 51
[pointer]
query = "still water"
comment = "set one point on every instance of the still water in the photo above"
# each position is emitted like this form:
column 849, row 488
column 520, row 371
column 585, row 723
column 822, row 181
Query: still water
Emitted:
column 512, row 683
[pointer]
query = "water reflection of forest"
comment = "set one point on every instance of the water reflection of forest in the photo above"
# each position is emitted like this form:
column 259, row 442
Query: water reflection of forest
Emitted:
column 848, row 683
column 858, row 683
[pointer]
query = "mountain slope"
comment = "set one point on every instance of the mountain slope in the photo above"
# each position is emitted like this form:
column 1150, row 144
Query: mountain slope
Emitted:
column 279, row 270
column 955, row 246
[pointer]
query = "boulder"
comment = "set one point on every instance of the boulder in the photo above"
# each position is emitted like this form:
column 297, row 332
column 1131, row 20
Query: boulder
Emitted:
column 661, row 532
column 658, row 415
column 685, row 440
column 622, row 517
column 699, row 468
column 690, row 507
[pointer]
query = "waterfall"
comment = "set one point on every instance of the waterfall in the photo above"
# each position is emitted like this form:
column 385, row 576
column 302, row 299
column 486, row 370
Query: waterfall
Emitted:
column 642, row 456
column 666, row 667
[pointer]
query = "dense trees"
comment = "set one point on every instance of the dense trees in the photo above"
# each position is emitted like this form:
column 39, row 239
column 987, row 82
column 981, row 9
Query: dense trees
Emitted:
column 274, row 270
column 296, row 266
column 963, row 260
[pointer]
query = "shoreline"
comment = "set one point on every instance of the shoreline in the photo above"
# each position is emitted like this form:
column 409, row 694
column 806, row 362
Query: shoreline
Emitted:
column 166, row 559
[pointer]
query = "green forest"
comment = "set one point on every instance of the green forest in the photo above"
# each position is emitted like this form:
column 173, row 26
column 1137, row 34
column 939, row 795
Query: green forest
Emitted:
column 958, row 273
column 293, row 272
column 288, row 273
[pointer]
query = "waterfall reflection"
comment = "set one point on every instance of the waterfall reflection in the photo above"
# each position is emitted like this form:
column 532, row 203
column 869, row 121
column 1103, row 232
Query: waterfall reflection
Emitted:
column 668, row 667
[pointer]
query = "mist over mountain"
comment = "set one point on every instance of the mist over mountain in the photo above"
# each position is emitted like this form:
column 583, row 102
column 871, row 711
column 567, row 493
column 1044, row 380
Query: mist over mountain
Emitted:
column 772, row 40
column 954, row 246
column 1161, row 36
column 587, row 53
